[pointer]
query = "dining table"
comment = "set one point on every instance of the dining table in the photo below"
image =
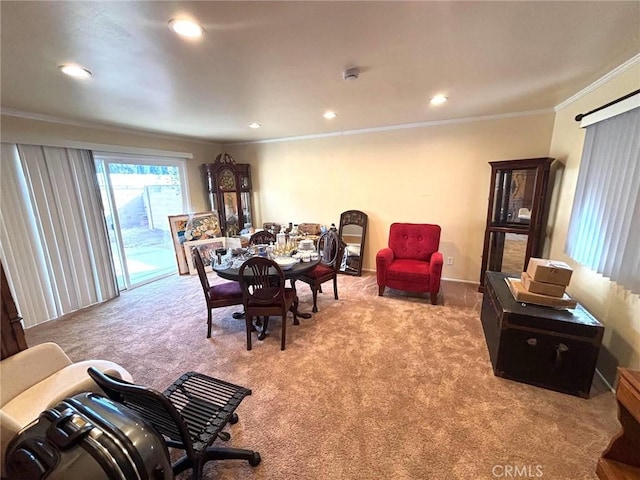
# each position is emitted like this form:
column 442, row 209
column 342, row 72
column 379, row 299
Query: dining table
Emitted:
column 231, row 271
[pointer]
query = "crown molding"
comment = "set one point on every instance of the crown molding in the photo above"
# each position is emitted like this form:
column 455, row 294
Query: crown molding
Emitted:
column 619, row 70
column 435, row 123
column 110, row 128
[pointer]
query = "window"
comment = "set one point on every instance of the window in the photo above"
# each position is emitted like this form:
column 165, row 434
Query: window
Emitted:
column 604, row 230
column 139, row 193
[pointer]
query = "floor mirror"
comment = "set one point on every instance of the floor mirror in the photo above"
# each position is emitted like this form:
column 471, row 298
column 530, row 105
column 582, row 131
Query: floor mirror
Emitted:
column 352, row 231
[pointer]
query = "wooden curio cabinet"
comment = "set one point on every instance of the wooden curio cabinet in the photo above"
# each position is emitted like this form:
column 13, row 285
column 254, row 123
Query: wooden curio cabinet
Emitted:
column 228, row 187
column 516, row 216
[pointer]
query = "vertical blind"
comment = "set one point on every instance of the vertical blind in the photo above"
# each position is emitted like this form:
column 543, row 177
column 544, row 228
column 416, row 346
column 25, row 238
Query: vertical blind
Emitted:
column 604, row 229
column 54, row 239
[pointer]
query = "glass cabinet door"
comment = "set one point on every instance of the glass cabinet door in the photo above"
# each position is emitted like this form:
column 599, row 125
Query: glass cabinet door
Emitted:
column 231, row 219
column 513, row 196
column 245, row 201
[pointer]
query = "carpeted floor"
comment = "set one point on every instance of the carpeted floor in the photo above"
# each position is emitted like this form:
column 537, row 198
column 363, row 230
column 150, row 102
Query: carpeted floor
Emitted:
column 369, row 388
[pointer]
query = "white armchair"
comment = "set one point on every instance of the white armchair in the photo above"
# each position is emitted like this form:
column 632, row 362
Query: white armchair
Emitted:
column 39, row 377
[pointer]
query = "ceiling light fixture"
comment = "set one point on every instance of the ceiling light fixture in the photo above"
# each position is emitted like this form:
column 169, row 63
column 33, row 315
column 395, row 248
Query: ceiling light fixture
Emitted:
column 75, row 71
column 438, row 100
column 186, row 28
column 330, row 115
column 255, row 125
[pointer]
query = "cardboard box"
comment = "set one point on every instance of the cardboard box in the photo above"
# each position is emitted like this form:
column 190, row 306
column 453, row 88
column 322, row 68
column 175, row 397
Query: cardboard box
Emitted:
column 520, row 294
column 549, row 271
column 542, row 288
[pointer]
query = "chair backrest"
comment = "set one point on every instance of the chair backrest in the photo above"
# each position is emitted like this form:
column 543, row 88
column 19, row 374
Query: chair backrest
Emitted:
column 331, row 249
column 204, row 280
column 262, row 282
column 263, row 237
column 150, row 404
column 416, row 241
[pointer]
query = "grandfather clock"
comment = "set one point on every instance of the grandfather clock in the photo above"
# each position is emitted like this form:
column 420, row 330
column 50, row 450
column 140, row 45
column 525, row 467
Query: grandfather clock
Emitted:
column 517, row 215
column 228, row 186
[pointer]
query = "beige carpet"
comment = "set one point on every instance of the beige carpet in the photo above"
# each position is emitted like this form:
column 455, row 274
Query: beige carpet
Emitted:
column 369, row 388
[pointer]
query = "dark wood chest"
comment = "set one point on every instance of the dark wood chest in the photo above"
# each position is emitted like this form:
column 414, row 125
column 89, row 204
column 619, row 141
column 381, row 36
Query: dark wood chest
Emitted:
column 543, row 346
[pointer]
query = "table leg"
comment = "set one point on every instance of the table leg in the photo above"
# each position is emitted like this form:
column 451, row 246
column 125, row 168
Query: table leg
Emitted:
column 296, row 311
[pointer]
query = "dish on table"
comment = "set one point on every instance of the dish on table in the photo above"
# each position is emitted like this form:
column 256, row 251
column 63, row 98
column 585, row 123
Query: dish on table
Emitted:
column 285, row 263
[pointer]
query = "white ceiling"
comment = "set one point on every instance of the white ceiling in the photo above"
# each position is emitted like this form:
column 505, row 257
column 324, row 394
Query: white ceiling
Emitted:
column 280, row 63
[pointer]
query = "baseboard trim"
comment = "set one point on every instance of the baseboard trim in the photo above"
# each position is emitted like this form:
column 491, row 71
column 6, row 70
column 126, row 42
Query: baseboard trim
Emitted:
column 443, row 278
column 459, row 281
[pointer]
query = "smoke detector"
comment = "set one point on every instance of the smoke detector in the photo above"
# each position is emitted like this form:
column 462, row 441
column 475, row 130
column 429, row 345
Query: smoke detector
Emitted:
column 351, row 73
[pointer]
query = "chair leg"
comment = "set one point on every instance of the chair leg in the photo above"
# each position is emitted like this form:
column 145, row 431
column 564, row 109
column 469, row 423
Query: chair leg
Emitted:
column 209, row 322
column 284, row 330
column 294, row 310
column 434, row 298
column 315, row 299
column 380, row 290
column 249, row 321
column 230, row 453
column 263, row 333
column 198, row 467
column 181, row 465
column 335, row 287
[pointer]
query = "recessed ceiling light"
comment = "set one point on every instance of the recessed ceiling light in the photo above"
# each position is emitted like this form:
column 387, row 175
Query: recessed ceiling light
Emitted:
column 438, row 100
column 255, row 125
column 75, row 71
column 186, row 28
column 330, row 115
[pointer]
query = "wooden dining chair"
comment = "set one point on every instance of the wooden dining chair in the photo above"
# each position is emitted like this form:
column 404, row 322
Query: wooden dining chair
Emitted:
column 331, row 249
column 221, row 295
column 262, row 237
column 264, row 295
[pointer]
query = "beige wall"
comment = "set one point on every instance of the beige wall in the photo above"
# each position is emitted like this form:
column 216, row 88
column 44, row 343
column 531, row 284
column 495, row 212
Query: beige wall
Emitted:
column 612, row 305
column 436, row 174
column 35, row 132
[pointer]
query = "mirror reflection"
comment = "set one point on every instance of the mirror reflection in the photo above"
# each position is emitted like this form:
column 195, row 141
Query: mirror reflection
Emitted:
column 352, row 231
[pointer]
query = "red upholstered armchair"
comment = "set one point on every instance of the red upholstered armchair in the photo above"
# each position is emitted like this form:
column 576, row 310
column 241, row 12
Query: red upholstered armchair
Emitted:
column 412, row 262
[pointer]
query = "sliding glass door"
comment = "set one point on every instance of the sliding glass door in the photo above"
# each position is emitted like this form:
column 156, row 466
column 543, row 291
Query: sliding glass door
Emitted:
column 139, row 193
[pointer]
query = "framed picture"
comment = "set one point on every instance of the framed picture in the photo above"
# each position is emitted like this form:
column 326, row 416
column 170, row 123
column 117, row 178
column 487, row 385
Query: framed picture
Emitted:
column 196, row 226
column 207, row 249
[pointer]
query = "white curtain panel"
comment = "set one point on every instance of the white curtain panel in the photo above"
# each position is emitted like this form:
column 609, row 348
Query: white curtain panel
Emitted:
column 71, row 255
column 20, row 247
column 604, row 230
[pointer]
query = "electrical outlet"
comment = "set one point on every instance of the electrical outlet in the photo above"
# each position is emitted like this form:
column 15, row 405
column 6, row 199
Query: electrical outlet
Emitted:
column 449, row 260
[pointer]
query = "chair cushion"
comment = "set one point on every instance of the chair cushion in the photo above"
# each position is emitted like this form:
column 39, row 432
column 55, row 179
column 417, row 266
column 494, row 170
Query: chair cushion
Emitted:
column 25, row 369
column 407, row 270
column 320, row 270
column 225, row 290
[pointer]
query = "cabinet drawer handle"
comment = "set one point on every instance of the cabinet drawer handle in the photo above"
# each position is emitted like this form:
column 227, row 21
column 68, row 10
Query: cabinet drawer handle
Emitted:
column 560, row 349
column 532, row 341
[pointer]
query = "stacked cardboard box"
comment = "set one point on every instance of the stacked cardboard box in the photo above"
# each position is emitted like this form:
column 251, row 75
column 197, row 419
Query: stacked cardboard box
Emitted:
column 543, row 283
